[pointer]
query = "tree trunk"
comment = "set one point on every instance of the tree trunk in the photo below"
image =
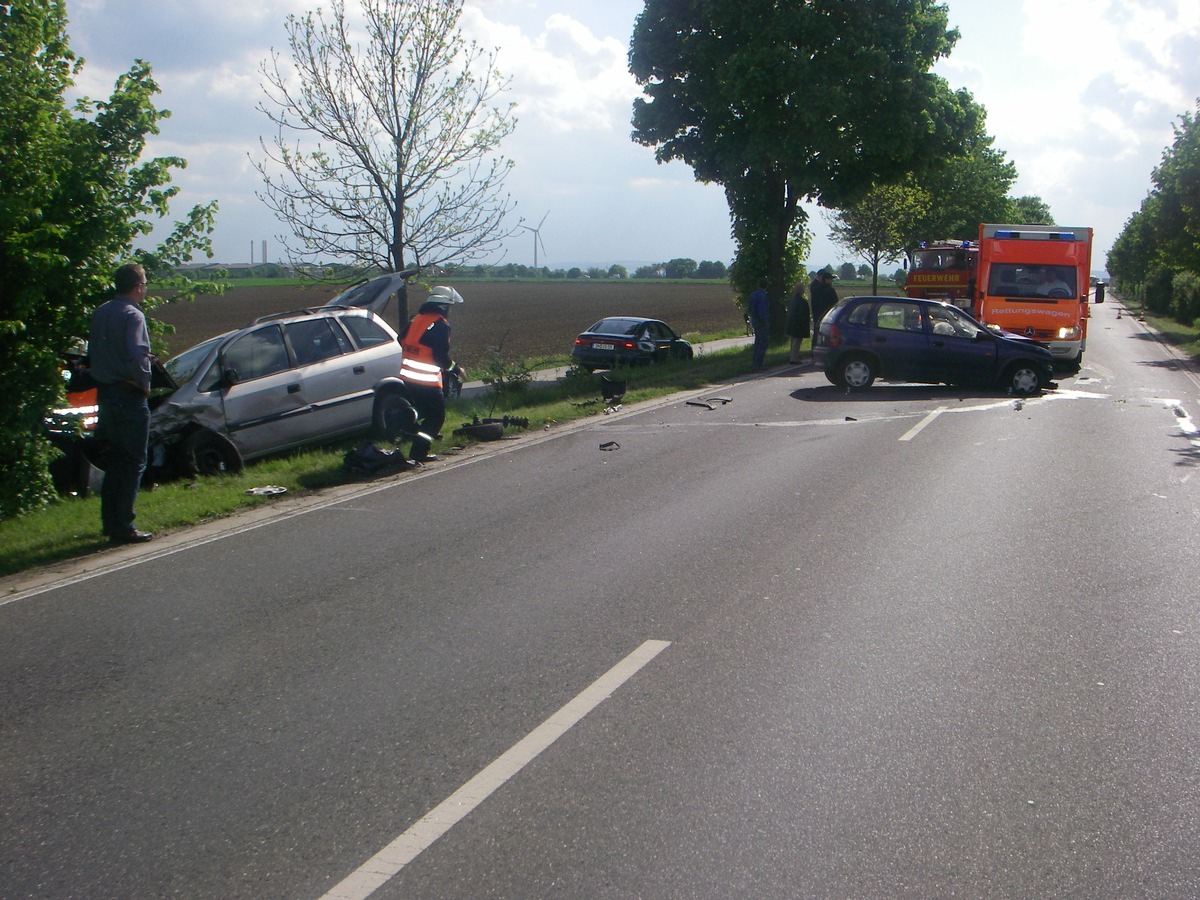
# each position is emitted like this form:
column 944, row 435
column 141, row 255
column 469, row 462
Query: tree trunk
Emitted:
column 783, row 207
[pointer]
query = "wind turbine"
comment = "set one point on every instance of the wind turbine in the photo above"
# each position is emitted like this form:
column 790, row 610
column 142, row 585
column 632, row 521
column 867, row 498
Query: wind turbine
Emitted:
column 537, row 238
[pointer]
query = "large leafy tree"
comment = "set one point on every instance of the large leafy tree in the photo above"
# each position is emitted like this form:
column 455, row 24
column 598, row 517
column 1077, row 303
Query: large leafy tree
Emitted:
column 1177, row 186
column 75, row 194
column 949, row 199
column 875, row 227
column 1136, row 249
column 945, row 202
column 1162, row 239
column 1027, row 210
column 964, row 190
column 401, row 164
column 785, row 102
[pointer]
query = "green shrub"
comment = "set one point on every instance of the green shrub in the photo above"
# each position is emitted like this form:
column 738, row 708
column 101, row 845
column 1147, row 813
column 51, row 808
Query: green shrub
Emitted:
column 1185, row 297
column 507, row 377
column 1156, row 291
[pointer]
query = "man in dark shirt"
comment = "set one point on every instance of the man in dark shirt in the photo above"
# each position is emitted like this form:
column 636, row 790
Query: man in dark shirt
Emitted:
column 119, row 359
column 760, row 321
column 822, row 296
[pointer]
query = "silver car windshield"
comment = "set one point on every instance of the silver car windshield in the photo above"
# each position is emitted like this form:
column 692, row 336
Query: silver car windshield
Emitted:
column 184, row 366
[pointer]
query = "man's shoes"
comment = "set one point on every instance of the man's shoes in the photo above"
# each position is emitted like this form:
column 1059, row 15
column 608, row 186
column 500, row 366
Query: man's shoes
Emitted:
column 428, row 457
column 131, row 537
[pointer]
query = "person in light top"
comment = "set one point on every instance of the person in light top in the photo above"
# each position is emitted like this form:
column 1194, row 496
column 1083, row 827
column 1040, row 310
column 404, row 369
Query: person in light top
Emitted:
column 1052, row 284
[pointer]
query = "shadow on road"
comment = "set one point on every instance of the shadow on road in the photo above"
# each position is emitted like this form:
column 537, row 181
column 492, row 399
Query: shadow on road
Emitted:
column 1187, row 456
column 1172, row 364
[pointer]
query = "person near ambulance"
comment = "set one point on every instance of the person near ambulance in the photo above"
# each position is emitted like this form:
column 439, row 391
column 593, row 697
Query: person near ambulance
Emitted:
column 1053, row 284
column 426, row 346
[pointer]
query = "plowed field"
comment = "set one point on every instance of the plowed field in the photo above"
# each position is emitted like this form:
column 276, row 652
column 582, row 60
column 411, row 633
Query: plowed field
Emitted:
column 525, row 320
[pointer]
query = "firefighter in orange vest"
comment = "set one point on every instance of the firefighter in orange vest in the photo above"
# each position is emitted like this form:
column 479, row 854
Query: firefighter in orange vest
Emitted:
column 426, row 346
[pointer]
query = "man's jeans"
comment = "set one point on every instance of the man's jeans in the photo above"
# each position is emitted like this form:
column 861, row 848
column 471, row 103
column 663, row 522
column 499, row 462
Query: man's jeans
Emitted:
column 125, row 426
column 762, row 336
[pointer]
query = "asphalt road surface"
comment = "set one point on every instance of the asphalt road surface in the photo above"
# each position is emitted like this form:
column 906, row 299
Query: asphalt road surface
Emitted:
column 918, row 642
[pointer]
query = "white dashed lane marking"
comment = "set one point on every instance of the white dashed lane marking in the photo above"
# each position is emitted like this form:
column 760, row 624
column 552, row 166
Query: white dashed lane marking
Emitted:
column 388, row 862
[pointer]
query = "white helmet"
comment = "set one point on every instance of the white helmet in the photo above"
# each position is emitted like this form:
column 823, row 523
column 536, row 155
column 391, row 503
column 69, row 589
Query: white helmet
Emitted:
column 444, row 296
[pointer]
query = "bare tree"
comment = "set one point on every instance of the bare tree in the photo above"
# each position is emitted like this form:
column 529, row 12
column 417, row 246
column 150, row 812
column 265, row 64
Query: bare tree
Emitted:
column 404, row 168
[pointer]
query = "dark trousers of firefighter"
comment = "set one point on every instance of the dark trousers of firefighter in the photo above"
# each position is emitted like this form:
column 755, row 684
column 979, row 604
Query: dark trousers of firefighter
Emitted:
column 430, row 404
column 124, row 423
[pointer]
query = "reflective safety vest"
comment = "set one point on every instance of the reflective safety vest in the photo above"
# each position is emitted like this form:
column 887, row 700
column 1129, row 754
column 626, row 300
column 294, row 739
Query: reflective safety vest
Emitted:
column 418, row 366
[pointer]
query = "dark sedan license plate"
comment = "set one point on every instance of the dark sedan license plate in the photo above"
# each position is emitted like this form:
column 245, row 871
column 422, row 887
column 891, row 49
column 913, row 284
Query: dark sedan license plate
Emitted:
column 604, row 346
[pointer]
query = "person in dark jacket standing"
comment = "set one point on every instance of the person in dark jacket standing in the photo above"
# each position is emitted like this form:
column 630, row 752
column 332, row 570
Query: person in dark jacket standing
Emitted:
column 426, row 345
column 119, row 360
column 797, row 323
column 760, row 320
column 822, row 296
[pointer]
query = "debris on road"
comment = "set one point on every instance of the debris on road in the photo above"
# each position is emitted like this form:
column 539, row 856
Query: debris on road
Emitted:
column 708, row 403
column 612, row 391
column 366, row 459
column 489, row 429
column 267, row 490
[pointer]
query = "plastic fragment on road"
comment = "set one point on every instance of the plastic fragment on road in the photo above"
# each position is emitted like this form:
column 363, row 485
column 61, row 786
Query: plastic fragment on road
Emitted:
column 610, row 445
column 267, row 490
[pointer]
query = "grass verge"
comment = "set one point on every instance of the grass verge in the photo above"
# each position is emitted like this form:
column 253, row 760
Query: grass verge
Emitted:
column 70, row 527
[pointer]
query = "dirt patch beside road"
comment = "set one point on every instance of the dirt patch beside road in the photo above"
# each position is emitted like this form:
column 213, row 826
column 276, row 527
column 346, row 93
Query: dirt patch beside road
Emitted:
column 525, row 320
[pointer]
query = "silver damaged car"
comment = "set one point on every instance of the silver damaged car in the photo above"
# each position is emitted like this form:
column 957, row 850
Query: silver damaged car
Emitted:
column 281, row 382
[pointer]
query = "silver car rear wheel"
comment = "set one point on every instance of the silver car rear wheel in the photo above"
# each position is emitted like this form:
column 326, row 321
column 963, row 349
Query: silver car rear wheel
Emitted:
column 394, row 418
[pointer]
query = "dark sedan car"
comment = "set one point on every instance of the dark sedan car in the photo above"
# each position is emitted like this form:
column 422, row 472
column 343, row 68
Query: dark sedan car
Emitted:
column 924, row 341
column 626, row 341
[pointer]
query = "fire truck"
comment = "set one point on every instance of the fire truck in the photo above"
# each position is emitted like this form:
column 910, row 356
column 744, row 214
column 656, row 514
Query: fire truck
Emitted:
column 944, row 270
column 1033, row 281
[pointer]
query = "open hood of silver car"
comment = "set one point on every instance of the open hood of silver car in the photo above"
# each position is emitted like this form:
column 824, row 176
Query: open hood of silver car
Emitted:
column 374, row 293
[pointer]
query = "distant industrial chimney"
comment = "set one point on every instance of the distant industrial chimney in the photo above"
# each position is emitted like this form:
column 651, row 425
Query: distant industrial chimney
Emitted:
column 264, row 253
column 252, row 253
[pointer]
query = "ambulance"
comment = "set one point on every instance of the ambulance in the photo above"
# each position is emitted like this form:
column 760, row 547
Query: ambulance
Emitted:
column 1033, row 281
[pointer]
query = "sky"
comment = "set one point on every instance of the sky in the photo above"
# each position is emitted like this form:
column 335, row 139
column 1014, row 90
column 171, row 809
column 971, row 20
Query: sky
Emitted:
column 1081, row 95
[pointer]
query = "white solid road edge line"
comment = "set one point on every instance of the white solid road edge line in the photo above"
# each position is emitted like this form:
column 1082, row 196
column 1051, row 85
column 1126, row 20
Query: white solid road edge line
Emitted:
column 388, row 862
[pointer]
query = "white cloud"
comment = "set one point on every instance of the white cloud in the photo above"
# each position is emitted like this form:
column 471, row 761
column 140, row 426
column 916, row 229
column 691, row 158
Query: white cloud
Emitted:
column 1081, row 95
column 564, row 78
